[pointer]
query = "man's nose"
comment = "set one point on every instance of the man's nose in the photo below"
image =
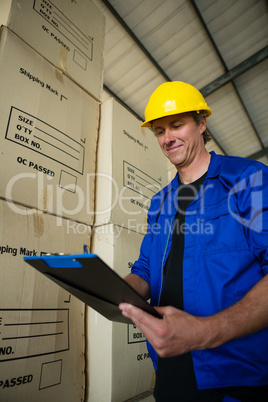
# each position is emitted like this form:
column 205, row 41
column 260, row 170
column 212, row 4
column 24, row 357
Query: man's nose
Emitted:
column 169, row 137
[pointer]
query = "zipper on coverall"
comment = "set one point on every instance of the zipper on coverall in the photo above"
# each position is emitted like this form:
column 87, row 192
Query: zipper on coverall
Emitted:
column 163, row 259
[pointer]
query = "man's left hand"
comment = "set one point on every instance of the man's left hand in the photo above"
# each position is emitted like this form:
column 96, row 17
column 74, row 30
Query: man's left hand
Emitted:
column 176, row 333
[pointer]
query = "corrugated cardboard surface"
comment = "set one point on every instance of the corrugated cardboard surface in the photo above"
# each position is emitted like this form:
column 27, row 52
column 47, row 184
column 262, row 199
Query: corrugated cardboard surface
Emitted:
column 48, row 134
column 117, row 353
column 136, row 171
column 70, row 34
column 42, row 339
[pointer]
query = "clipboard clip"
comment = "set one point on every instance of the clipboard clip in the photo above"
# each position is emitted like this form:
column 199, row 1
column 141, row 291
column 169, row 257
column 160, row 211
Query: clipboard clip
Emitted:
column 85, row 249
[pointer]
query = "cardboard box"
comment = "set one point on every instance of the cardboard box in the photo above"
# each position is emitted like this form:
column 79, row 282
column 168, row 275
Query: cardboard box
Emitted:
column 48, row 134
column 117, row 353
column 70, row 34
column 42, row 332
column 136, row 170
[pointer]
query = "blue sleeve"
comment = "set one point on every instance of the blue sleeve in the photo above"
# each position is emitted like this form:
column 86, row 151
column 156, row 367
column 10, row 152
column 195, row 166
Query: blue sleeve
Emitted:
column 251, row 192
column 141, row 267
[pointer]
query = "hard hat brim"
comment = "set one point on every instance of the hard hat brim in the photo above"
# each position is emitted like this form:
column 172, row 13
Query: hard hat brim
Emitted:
column 149, row 123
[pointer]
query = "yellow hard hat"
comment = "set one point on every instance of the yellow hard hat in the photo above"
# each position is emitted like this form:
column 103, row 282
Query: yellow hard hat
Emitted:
column 173, row 98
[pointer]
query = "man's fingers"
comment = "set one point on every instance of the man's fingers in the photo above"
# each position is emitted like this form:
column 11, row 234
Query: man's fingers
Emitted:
column 164, row 310
column 144, row 321
column 154, row 329
column 131, row 311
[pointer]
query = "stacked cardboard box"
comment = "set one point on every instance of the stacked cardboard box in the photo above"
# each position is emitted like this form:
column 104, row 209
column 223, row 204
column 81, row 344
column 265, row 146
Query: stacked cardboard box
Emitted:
column 69, row 34
column 48, row 134
column 130, row 169
column 41, row 325
column 51, row 67
column 117, row 353
column 133, row 172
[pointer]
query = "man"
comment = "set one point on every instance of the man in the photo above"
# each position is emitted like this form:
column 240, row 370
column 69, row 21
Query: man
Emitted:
column 204, row 262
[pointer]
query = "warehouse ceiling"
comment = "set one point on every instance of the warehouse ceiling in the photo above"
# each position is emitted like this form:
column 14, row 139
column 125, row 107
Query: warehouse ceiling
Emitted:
column 219, row 46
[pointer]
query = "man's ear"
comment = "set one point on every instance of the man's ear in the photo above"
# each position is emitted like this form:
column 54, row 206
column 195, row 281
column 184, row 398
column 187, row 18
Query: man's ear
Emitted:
column 203, row 124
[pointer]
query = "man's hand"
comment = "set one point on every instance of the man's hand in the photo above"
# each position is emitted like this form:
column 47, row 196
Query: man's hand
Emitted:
column 177, row 333
column 139, row 284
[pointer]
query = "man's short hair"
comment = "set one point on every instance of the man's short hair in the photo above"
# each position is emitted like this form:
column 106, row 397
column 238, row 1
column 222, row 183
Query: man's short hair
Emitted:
column 197, row 116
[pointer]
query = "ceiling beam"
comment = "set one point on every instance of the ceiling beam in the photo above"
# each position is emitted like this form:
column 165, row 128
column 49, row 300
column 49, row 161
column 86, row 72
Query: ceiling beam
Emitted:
column 205, row 92
column 136, row 40
column 110, row 92
column 201, row 19
column 211, row 87
column 216, row 141
column 235, row 72
column 148, row 55
column 259, row 154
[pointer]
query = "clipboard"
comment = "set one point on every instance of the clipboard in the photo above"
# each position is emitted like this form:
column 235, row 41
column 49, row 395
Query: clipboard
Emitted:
column 92, row 281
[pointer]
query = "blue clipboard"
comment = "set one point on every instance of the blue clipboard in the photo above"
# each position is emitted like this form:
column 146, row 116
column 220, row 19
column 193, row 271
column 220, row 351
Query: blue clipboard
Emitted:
column 92, row 281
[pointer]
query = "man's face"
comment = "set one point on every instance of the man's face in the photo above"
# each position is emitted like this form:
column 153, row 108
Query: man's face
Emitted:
column 180, row 138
